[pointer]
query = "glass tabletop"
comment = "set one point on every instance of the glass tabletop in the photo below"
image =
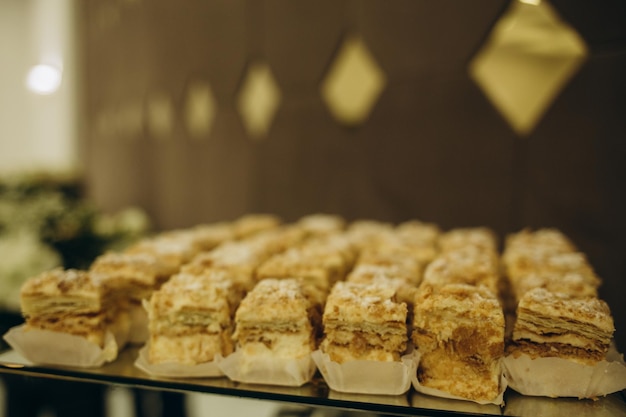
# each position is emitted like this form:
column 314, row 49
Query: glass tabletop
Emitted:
column 122, row 371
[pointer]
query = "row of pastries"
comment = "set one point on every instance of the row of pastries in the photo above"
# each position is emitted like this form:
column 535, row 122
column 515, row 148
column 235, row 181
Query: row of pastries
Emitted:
column 258, row 298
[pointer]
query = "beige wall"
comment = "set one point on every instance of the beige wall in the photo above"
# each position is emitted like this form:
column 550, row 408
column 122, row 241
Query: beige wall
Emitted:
column 37, row 132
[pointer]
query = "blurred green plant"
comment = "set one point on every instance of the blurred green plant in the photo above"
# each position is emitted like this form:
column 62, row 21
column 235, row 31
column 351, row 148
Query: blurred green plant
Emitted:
column 46, row 222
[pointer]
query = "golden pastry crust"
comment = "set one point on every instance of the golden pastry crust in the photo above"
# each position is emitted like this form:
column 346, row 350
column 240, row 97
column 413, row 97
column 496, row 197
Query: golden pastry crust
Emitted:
column 190, row 318
column 359, row 347
column 364, row 321
column 277, row 303
column 368, row 233
column 277, row 318
column 460, row 377
column 189, row 349
column 478, row 237
column 566, row 268
column 61, row 291
column 415, row 232
column 67, row 301
column 203, row 237
column 405, row 291
column 240, row 259
column 459, row 332
column 321, row 224
column 93, row 327
column 358, row 303
column 277, row 240
column 393, row 260
column 253, row 223
column 235, row 260
column 172, row 250
column 467, row 265
column 573, row 284
column 546, row 240
column 553, row 324
column 189, row 301
column 129, row 276
column 321, row 262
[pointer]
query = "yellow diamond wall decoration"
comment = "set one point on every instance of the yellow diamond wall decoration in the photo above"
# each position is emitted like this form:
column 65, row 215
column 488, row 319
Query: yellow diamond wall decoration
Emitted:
column 528, row 58
column 199, row 110
column 159, row 115
column 353, row 84
column 258, row 100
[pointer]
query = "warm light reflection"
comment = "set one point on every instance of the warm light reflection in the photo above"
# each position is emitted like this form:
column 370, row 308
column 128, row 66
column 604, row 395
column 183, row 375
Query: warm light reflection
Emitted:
column 533, row 2
column 44, row 79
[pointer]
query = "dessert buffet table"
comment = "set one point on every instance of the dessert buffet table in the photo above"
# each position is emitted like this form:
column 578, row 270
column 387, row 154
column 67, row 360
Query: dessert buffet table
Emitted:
column 317, row 394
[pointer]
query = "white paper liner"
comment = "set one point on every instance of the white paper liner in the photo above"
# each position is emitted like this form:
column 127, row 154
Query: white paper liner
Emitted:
column 177, row 370
column 556, row 377
column 56, row 348
column 498, row 400
column 267, row 370
column 366, row 377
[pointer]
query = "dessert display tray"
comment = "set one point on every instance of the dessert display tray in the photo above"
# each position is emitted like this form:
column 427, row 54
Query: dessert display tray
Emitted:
column 317, row 394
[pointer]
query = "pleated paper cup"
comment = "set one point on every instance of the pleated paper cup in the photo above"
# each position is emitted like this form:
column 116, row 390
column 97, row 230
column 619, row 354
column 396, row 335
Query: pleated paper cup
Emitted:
column 47, row 347
column 366, row 377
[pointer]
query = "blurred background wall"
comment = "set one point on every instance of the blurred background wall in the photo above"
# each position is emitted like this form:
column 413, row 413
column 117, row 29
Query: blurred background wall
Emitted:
column 433, row 145
column 38, row 131
column 162, row 122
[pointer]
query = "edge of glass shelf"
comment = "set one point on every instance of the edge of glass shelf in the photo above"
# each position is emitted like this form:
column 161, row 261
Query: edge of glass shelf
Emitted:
column 316, row 393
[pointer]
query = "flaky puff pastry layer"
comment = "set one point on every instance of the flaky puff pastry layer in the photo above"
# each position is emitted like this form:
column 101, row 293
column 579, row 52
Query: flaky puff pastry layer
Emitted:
column 459, row 332
column 190, row 318
column 279, row 317
column 67, row 301
column 559, row 325
column 364, row 321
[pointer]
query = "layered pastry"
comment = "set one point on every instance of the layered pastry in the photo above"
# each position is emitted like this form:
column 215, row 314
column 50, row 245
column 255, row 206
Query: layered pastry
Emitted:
column 68, row 301
column 363, row 321
column 277, row 319
column 478, row 237
column 547, row 259
column 421, row 238
column 173, row 250
column 393, row 265
column 190, row 319
column 131, row 278
column 559, row 325
column 458, row 330
column 204, row 237
column 397, row 261
column 278, row 239
column 465, row 265
column 418, row 232
column 321, row 224
column 319, row 261
column 546, row 240
column 367, row 233
column 240, row 259
column 251, row 224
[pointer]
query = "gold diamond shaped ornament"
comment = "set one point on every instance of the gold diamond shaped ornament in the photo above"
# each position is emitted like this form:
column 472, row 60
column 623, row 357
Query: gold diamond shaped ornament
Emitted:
column 200, row 110
column 159, row 115
column 258, row 101
column 353, row 84
column 529, row 57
